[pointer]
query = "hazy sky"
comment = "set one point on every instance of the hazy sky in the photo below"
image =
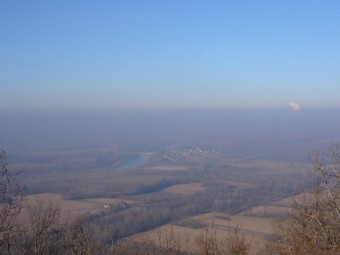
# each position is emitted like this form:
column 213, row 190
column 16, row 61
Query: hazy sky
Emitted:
column 80, row 55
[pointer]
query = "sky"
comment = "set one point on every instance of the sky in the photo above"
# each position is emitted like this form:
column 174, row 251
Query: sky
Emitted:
column 111, row 55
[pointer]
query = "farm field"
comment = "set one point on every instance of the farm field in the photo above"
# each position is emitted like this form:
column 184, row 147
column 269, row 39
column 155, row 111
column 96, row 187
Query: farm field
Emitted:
column 255, row 230
column 78, row 207
column 278, row 208
column 185, row 189
column 166, row 168
column 177, row 192
column 255, row 224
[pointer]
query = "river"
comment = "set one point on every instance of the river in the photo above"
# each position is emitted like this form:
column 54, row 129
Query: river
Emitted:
column 136, row 162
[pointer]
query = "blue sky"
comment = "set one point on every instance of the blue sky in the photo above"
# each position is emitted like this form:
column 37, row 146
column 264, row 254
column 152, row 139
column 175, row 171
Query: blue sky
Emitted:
column 108, row 55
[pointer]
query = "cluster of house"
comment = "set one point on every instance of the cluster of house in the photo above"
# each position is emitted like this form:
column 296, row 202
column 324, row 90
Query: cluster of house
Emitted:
column 117, row 207
column 185, row 154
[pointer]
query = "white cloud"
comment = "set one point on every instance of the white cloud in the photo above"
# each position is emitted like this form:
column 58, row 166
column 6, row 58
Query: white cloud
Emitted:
column 294, row 106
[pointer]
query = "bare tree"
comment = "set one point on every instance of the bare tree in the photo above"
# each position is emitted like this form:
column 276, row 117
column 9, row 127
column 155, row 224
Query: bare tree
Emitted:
column 207, row 243
column 11, row 197
column 45, row 230
column 233, row 242
column 80, row 239
column 313, row 226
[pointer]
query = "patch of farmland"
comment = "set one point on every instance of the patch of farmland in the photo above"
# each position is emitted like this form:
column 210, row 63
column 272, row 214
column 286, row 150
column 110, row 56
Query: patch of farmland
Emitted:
column 113, row 201
column 76, row 207
column 271, row 211
column 256, row 230
column 276, row 208
column 288, row 201
column 270, row 165
column 235, row 183
column 185, row 189
column 167, row 168
column 256, row 227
